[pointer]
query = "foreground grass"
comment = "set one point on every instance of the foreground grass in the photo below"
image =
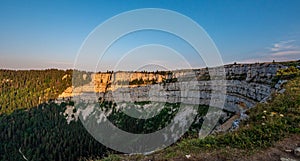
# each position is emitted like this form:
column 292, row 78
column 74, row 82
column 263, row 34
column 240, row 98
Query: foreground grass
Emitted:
column 268, row 123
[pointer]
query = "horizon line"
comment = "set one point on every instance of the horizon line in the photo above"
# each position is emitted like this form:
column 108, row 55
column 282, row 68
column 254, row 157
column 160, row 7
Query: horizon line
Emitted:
column 65, row 69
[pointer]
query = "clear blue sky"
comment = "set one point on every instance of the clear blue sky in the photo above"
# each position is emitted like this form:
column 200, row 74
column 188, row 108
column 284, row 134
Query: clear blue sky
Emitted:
column 48, row 34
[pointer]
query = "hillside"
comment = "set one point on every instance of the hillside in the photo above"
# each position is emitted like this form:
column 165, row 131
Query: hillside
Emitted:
column 24, row 89
column 37, row 125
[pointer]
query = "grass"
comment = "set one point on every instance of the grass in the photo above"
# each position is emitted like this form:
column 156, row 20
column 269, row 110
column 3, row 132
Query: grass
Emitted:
column 268, row 123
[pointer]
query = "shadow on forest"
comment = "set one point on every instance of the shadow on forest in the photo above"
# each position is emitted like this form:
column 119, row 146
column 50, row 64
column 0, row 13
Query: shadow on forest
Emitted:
column 42, row 133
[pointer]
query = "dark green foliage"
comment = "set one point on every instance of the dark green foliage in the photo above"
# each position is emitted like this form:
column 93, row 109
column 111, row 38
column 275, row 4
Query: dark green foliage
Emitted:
column 162, row 119
column 288, row 73
column 291, row 63
column 150, row 125
column 43, row 134
column 171, row 80
column 136, row 82
column 163, row 72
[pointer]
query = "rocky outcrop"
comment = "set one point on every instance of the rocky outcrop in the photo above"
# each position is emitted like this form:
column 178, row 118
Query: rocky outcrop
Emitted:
column 194, row 92
column 245, row 85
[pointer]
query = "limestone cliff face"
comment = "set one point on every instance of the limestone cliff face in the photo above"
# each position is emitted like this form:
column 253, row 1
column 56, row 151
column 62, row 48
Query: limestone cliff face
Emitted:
column 66, row 93
column 193, row 92
column 245, row 85
column 103, row 82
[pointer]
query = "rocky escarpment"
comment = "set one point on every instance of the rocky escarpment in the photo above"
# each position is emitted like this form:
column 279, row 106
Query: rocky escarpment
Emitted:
column 245, row 85
column 110, row 81
column 238, row 93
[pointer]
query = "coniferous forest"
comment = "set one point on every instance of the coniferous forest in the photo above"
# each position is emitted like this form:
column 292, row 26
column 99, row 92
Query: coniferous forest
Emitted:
column 33, row 125
column 28, row 88
column 42, row 133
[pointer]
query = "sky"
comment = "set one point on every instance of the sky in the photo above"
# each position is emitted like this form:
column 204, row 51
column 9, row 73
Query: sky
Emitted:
column 49, row 34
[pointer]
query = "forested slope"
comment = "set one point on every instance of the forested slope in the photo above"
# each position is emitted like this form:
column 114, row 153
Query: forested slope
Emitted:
column 42, row 133
column 32, row 124
column 28, row 88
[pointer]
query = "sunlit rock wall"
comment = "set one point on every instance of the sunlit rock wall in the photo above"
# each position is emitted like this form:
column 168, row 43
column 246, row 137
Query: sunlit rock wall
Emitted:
column 245, row 85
